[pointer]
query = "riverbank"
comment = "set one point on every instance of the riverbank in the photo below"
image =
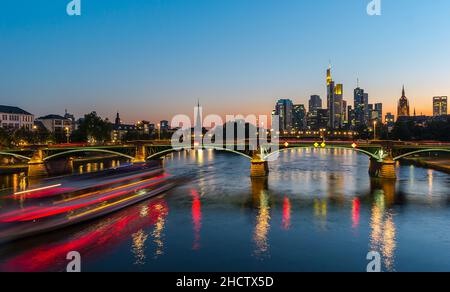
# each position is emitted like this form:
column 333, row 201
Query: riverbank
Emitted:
column 23, row 167
column 438, row 163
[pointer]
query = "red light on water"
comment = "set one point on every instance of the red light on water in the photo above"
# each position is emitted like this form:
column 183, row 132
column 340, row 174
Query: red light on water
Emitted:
column 196, row 218
column 356, row 212
column 286, row 214
column 106, row 234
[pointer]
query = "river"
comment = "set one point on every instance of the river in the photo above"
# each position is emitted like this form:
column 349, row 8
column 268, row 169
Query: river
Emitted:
column 317, row 211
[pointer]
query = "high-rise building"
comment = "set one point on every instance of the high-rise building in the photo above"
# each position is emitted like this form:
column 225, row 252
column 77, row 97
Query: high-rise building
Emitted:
column 344, row 113
column 439, row 106
column 338, row 106
column 315, row 103
column 375, row 112
column 361, row 107
column 366, row 113
column 299, row 117
column 198, row 118
column 323, row 119
column 350, row 117
column 378, row 108
column 284, row 109
column 330, row 97
column 335, row 94
column 403, row 106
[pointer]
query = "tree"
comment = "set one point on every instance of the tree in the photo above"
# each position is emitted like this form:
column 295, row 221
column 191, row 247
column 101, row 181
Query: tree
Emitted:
column 93, row 128
column 403, row 130
column 407, row 130
column 5, row 138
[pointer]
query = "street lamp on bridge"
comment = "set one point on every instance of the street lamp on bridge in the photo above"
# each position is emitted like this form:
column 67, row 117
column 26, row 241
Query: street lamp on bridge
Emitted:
column 67, row 130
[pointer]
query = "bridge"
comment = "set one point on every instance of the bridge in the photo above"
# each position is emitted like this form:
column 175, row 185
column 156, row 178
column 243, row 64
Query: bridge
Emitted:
column 383, row 155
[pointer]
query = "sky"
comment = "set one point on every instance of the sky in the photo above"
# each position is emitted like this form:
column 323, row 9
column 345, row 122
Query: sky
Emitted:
column 153, row 59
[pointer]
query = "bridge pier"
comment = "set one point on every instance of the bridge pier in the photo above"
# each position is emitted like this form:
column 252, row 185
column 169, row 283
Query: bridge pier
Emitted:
column 36, row 166
column 384, row 169
column 259, row 167
column 140, row 154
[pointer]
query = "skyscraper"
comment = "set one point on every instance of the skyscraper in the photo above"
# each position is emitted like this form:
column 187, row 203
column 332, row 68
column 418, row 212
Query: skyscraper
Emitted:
column 350, row 117
column 330, row 97
column 439, row 106
column 344, row 113
column 284, row 109
column 315, row 103
column 334, row 101
column 198, row 117
column 378, row 108
column 403, row 106
column 338, row 106
column 361, row 107
column 299, row 117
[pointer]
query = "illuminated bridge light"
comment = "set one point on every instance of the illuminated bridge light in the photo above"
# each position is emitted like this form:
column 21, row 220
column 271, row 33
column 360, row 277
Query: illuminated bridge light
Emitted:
column 323, row 145
column 286, row 144
column 354, row 145
column 316, row 144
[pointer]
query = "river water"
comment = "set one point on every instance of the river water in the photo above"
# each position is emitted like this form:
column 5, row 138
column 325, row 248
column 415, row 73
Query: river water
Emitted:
column 317, row 211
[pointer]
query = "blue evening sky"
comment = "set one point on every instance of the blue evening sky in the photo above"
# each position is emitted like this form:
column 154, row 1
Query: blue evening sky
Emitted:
column 152, row 59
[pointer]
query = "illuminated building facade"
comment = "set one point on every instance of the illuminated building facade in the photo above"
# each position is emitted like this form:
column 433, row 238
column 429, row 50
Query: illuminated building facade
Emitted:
column 284, row 110
column 361, row 107
column 390, row 121
column 299, row 117
column 439, row 106
column 334, row 102
column 15, row 118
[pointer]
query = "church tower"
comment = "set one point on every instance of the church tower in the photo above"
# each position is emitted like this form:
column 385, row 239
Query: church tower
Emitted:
column 403, row 105
column 118, row 121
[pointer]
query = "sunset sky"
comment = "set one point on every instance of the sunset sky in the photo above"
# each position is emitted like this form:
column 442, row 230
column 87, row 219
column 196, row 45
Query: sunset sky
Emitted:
column 152, row 59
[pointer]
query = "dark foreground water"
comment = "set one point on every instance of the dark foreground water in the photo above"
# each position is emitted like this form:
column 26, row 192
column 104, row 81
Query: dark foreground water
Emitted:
column 317, row 211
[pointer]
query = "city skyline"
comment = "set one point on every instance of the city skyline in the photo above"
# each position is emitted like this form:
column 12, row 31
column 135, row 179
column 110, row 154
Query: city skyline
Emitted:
column 175, row 53
column 338, row 113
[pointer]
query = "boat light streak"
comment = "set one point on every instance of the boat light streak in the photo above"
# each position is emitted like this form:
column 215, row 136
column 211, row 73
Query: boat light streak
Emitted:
column 36, row 190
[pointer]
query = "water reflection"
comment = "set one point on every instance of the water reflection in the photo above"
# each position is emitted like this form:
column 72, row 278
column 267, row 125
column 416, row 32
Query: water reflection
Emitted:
column 196, row 218
column 383, row 230
column 356, row 209
column 138, row 246
column 48, row 253
column 321, row 211
column 286, row 223
column 325, row 196
column 158, row 231
column 16, row 182
column 261, row 231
